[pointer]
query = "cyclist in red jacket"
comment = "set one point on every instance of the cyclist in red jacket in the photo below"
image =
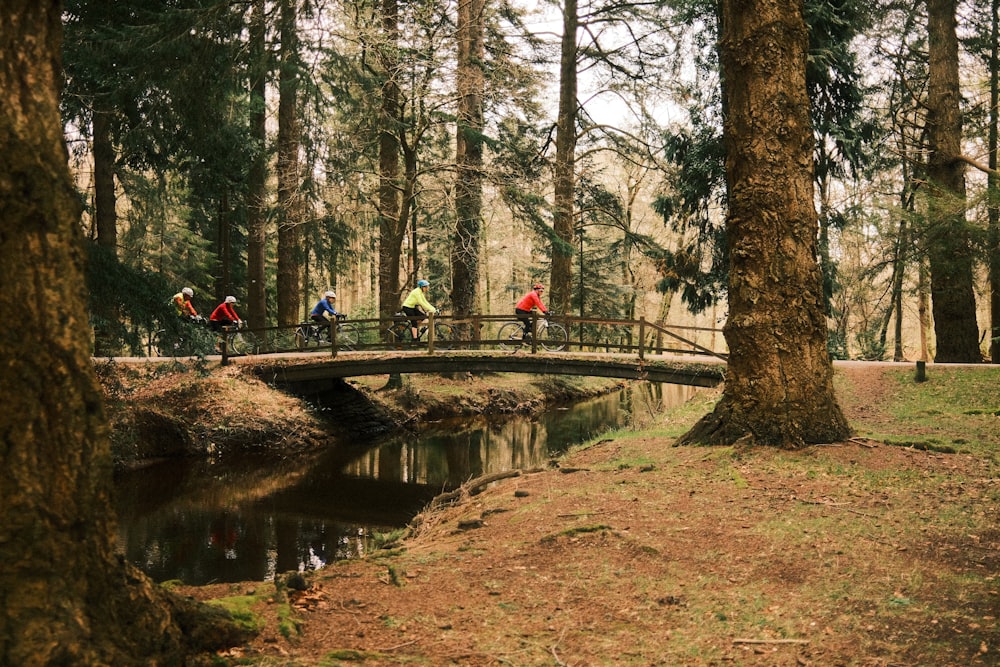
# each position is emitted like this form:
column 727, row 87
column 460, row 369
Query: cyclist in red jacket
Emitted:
column 528, row 302
column 225, row 315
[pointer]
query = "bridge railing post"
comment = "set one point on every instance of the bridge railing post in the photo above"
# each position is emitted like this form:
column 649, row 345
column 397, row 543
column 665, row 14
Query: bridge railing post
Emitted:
column 430, row 333
column 333, row 336
column 227, row 333
column 642, row 337
column 534, row 331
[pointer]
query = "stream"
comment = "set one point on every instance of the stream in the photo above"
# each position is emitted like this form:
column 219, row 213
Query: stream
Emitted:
column 249, row 517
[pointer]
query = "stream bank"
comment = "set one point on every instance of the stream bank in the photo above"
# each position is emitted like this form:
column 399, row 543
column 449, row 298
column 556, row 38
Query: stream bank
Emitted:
column 199, row 408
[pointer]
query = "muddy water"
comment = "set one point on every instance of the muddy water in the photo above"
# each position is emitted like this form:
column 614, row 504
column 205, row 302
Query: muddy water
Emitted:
column 246, row 519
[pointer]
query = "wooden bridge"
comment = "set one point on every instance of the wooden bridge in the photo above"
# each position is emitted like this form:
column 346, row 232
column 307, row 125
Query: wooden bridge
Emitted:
column 484, row 332
column 627, row 349
column 315, row 372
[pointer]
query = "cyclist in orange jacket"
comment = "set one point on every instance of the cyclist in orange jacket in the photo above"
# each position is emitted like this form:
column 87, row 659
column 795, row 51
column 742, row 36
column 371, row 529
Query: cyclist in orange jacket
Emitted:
column 528, row 302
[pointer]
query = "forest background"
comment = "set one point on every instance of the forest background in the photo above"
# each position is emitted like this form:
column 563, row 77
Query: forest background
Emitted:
column 202, row 145
column 272, row 150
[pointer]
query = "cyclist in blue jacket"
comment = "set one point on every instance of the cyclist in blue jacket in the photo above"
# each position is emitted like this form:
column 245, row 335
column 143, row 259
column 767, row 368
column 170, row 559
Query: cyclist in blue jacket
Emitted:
column 324, row 310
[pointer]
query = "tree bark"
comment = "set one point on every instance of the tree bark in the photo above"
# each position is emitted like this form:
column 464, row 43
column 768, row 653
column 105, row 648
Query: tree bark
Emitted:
column 898, row 272
column 107, row 319
column 67, row 598
column 105, row 211
column 257, row 177
column 289, row 200
column 561, row 283
column 949, row 249
column 994, row 184
column 224, row 249
column 779, row 381
column 392, row 227
column 465, row 251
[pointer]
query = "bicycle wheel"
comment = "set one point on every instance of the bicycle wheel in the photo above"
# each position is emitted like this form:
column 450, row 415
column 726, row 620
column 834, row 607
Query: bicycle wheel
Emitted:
column 347, row 336
column 398, row 334
column 171, row 344
column 235, row 343
column 244, row 342
column 554, row 338
column 444, row 336
column 510, row 335
column 160, row 345
column 302, row 337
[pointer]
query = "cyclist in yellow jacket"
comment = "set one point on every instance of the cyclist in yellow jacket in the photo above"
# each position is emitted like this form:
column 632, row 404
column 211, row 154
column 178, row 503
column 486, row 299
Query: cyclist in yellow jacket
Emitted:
column 182, row 302
column 417, row 307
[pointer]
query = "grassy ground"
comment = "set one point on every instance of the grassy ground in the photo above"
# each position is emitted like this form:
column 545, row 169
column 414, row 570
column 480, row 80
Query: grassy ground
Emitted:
column 878, row 551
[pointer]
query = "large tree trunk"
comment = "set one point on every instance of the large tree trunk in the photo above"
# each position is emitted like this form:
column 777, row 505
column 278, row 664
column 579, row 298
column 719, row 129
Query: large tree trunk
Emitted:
column 224, row 249
column 105, row 210
column 994, row 184
column 289, row 200
column 923, row 316
column 561, row 284
column 67, row 598
column 257, row 177
column 392, row 227
column 898, row 272
column 779, row 382
column 465, row 250
column 949, row 249
column 107, row 319
column 634, row 190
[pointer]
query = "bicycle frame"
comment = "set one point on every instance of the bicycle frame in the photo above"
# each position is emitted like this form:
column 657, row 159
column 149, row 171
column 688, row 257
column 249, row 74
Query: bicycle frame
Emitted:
column 541, row 324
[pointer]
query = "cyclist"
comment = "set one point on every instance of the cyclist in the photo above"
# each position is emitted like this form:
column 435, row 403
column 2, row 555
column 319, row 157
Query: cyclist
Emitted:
column 225, row 315
column 324, row 310
column 529, row 302
column 417, row 307
column 182, row 302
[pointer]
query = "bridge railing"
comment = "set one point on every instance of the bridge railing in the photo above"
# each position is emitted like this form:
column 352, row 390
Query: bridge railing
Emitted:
column 642, row 337
column 480, row 332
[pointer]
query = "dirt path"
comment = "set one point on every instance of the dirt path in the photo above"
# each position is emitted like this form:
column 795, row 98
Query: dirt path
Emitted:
column 634, row 552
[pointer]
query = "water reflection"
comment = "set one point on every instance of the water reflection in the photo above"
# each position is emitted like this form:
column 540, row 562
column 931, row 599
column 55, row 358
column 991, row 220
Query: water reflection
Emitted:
column 245, row 519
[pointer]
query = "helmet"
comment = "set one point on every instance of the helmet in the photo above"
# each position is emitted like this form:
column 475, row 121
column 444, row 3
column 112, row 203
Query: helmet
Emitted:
column 423, row 283
column 230, row 299
column 538, row 286
column 187, row 291
column 330, row 294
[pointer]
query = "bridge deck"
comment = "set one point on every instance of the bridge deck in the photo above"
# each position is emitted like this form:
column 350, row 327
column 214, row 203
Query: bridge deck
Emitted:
column 307, row 369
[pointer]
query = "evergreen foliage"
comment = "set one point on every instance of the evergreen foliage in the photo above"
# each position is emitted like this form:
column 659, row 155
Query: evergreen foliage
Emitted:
column 141, row 297
column 173, row 80
column 692, row 206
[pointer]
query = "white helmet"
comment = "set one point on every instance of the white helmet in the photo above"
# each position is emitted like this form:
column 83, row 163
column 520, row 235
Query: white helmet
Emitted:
column 187, row 291
column 330, row 294
column 230, row 299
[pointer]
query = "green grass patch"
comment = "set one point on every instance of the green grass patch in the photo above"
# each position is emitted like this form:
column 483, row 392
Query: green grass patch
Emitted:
column 240, row 607
column 288, row 626
column 954, row 406
column 390, row 539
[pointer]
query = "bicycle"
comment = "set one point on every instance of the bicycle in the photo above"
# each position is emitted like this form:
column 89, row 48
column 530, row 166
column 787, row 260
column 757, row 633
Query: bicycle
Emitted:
column 400, row 334
column 552, row 336
column 186, row 338
column 238, row 340
column 314, row 333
